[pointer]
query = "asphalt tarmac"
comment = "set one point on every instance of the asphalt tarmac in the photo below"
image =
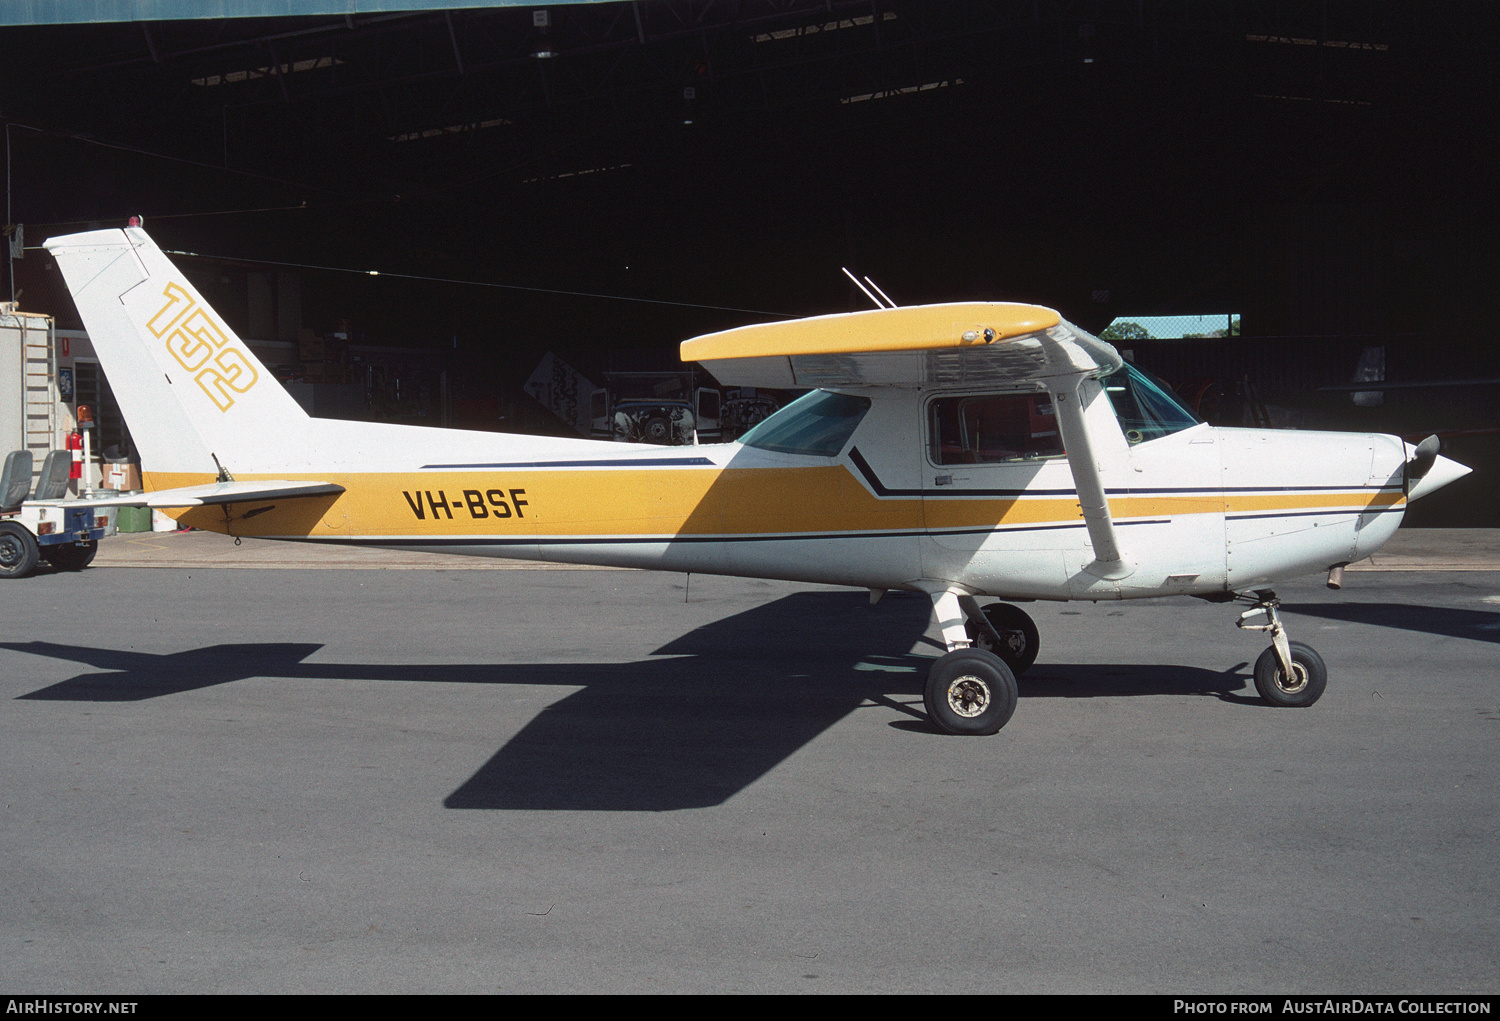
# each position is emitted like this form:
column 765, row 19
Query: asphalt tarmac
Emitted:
column 594, row 781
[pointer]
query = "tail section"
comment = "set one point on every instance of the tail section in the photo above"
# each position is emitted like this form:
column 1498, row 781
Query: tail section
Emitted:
column 191, row 391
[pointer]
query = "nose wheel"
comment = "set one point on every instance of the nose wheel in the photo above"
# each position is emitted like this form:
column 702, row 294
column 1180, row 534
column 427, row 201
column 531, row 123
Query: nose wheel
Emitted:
column 1302, row 687
column 1288, row 674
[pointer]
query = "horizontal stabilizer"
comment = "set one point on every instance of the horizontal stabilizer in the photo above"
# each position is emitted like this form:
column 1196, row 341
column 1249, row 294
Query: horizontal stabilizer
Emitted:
column 217, row 493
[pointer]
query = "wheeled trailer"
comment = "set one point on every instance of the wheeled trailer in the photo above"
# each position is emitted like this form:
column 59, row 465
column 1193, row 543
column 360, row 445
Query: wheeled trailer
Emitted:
column 45, row 525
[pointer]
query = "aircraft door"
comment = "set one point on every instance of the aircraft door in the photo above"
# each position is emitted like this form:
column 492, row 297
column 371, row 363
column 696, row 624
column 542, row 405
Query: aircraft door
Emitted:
column 998, row 498
column 995, row 466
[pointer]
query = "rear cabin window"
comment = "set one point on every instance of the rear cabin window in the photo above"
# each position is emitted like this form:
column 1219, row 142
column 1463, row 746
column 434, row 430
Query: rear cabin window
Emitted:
column 994, row 427
column 818, row 423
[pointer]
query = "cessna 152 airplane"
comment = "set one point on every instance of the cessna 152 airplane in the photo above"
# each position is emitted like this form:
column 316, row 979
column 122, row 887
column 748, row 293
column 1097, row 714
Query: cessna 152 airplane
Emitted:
column 960, row 450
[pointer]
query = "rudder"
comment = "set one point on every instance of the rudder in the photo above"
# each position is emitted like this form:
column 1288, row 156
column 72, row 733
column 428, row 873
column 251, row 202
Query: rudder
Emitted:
column 190, row 390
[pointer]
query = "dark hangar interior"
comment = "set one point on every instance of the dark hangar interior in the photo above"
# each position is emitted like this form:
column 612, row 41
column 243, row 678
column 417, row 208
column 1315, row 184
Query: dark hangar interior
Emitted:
column 605, row 180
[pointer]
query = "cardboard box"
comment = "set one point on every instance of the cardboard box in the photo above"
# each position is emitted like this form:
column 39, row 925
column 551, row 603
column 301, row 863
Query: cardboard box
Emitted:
column 124, row 477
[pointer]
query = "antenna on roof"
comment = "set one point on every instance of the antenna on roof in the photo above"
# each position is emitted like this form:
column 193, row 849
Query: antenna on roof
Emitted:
column 878, row 291
column 862, row 287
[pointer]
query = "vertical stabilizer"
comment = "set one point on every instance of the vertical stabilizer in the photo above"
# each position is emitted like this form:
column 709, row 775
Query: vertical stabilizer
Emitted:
column 189, row 388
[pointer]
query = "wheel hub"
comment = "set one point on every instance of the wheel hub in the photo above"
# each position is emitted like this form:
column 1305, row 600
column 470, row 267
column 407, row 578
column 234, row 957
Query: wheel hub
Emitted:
column 1011, row 642
column 968, row 696
column 10, row 551
column 1294, row 684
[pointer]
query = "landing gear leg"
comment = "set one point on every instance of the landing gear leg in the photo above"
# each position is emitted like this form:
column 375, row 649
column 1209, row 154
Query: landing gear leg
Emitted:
column 1288, row 673
column 968, row 690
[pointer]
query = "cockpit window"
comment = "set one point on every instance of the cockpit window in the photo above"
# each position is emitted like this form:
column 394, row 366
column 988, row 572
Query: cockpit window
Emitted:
column 1146, row 407
column 818, row 423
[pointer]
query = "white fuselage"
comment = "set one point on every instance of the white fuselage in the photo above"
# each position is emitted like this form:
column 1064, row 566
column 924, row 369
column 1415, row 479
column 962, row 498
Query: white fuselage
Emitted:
column 1201, row 511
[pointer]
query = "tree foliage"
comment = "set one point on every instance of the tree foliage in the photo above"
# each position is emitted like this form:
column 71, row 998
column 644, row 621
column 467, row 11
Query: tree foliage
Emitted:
column 1125, row 331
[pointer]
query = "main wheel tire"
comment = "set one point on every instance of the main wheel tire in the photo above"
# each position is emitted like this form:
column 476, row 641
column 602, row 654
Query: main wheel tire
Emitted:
column 656, row 429
column 71, row 557
column 970, row 691
column 1019, row 638
column 1303, row 689
column 18, row 551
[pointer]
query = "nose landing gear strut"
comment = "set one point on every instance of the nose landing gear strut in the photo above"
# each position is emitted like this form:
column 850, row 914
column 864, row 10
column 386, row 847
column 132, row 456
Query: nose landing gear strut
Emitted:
column 1288, row 673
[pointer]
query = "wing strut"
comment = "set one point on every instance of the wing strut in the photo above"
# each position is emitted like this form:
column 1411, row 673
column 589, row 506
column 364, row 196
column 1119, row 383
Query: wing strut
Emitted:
column 1109, row 560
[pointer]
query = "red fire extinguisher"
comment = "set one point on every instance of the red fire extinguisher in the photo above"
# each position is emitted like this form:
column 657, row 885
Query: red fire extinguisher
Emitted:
column 75, row 444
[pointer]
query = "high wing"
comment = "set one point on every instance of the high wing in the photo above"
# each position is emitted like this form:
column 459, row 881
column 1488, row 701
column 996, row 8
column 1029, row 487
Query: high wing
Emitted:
column 958, row 344
column 219, row 493
column 932, row 345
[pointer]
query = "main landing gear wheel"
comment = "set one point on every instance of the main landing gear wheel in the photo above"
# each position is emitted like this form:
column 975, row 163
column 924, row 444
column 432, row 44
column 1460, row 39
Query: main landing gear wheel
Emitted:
column 1019, row 638
column 970, row 691
column 71, row 557
column 1303, row 688
column 18, row 551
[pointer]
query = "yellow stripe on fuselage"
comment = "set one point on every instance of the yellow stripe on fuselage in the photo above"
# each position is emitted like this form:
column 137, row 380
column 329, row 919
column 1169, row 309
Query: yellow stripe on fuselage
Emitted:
column 1238, row 503
column 651, row 503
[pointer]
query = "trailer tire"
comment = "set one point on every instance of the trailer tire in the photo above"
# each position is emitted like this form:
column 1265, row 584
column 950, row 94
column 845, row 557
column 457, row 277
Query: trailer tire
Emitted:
column 18, row 551
column 72, row 557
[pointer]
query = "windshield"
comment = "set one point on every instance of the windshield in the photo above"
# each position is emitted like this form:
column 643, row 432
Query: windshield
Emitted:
column 819, row 423
column 1146, row 407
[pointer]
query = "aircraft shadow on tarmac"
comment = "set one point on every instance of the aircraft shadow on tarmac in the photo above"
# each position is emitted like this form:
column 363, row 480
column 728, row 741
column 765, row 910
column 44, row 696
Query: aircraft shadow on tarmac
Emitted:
column 725, row 704
column 1451, row 621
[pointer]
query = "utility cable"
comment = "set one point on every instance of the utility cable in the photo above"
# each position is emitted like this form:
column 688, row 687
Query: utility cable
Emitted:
column 71, row 136
column 482, row 283
column 170, row 216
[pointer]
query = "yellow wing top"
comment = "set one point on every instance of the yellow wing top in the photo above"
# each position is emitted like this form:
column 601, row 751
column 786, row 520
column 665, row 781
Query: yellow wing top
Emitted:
column 916, row 328
column 950, row 344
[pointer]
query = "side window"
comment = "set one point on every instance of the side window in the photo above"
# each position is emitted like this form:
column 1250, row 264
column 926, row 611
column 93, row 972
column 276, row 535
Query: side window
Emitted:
column 993, row 427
